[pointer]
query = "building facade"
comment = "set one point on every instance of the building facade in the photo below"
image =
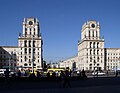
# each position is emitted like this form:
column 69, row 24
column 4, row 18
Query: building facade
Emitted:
column 71, row 63
column 92, row 55
column 29, row 49
column 91, row 47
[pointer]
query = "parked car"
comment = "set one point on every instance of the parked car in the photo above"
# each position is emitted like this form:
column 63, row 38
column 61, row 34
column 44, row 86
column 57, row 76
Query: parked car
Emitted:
column 99, row 73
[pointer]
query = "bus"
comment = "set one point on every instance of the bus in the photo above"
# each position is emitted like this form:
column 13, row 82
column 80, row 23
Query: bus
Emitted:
column 56, row 70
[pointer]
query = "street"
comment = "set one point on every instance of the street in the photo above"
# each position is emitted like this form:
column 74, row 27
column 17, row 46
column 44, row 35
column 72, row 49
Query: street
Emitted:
column 91, row 85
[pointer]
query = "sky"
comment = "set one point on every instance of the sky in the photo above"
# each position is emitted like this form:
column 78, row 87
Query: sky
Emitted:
column 60, row 23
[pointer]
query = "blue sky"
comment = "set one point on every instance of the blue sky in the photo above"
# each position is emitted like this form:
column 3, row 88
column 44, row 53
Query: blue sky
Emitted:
column 61, row 22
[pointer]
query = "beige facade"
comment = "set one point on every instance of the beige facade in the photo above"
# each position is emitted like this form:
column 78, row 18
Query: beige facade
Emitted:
column 91, row 47
column 29, row 47
column 71, row 63
column 8, row 56
column 112, row 58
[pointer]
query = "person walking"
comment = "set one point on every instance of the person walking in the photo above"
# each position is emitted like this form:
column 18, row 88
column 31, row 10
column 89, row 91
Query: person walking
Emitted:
column 66, row 79
column 7, row 76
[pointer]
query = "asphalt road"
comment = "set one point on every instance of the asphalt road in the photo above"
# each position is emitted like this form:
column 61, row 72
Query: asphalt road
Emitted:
column 91, row 85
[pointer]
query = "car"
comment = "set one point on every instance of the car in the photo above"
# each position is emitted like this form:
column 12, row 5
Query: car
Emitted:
column 98, row 73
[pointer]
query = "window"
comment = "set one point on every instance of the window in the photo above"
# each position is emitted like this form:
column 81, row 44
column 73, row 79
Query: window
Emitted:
column 96, row 33
column 92, row 33
column 29, row 43
column 25, row 50
column 90, row 44
column 25, row 64
column 89, row 33
column 34, row 32
column 25, row 58
column 97, row 64
column 97, row 52
column 94, row 45
column 33, row 43
column 30, row 32
column 94, row 51
column 98, row 59
column 34, row 50
column 30, row 29
column 29, row 50
column 90, row 64
column 25, row 43
column 25, row 33
column 90, row 59
column 97, row 45
column 90, row 51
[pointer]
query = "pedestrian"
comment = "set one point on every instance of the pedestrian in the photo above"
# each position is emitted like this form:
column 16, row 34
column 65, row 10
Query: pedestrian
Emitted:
column 48, row 75
column 66, row 79
column 83, row 74
column 7, row 76
column 19, row 74
column 116, row 74
column 62, row 76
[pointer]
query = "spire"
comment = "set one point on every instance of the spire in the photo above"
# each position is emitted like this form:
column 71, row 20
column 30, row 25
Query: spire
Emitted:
column 24, row 19
column 37, row 20
column 98, row 23
column 87, row 22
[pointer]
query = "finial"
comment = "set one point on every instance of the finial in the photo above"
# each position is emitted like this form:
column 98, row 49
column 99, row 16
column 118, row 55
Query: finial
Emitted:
column 24, row 19
column 19, row 34
column 87, row 22
column 98, row 23
column 37, row 20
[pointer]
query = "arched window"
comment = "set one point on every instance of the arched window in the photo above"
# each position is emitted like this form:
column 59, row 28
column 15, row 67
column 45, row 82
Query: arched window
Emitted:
column 25, row 64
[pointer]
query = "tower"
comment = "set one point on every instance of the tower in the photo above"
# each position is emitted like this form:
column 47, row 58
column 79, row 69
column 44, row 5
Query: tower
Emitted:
column 30, row 44
column 91, row 47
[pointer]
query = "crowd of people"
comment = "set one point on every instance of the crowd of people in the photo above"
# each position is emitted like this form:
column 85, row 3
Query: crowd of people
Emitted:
column 64, row 75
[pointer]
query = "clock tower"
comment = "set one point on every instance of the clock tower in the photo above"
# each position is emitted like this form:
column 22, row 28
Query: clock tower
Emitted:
column 30, row 44
column 91, row 47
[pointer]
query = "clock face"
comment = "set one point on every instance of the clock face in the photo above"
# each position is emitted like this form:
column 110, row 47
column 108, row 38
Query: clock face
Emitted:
column 93, row 25
column 30, row 23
